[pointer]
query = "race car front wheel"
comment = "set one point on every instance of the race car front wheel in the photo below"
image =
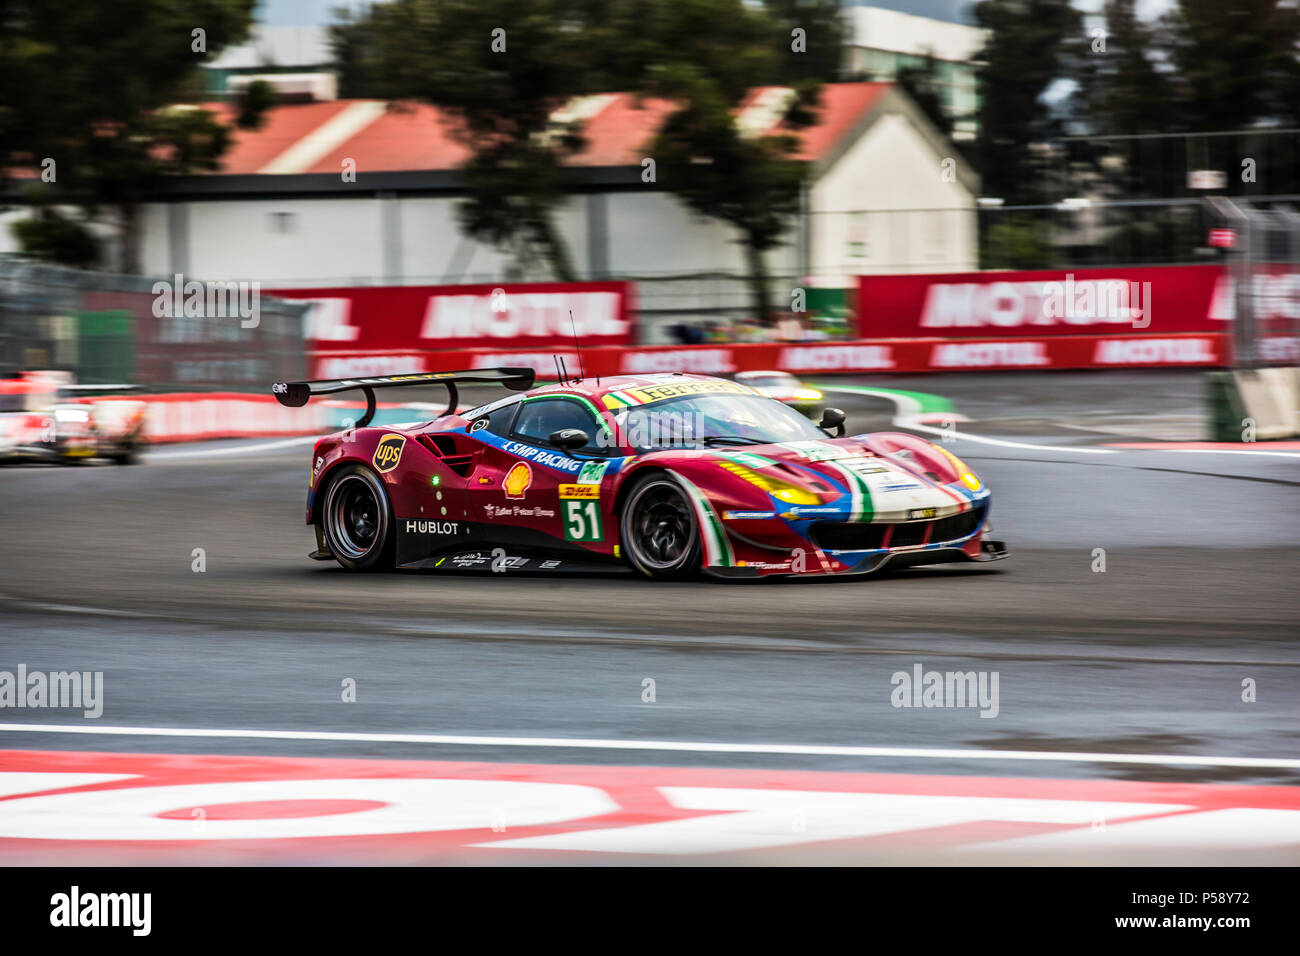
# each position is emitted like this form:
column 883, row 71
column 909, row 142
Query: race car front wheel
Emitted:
column 659, row 531
column 358, row 520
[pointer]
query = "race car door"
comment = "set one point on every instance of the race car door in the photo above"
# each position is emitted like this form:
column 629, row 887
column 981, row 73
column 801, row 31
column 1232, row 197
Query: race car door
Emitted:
column 516, row 487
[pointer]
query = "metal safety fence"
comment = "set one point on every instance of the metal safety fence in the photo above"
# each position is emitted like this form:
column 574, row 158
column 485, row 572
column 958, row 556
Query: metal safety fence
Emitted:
column 171, row 331
column 1264, row 266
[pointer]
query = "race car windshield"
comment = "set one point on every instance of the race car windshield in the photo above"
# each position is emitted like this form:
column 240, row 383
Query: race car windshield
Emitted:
column 710, row 420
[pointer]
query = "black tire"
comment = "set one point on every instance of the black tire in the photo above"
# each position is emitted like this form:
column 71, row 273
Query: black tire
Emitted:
column 658, row 529
column 357, row 519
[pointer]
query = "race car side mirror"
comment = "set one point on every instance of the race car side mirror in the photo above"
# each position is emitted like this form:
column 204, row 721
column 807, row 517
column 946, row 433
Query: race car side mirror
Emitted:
column 569, row 439
column 833, row 418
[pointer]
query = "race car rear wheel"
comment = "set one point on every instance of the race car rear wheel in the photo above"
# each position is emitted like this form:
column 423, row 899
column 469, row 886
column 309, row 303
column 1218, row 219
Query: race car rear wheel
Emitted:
column 358, row 520
column 659, row 531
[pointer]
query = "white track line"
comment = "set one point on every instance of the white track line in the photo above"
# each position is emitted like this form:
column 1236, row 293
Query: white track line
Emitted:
column 907, row 413
column 953, row 434
column 683, row 746
column 908, row 410
column 237, row 450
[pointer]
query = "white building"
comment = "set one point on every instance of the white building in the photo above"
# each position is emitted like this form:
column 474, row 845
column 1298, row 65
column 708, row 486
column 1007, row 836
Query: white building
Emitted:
column 887, row 193
column 296, row 61
column 883, row 42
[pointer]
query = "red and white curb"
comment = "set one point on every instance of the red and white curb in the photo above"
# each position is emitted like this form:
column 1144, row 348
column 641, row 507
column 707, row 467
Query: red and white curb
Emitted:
column 66, row 807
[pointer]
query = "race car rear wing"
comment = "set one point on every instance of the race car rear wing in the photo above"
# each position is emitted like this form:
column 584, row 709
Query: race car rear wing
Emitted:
column 297, row 394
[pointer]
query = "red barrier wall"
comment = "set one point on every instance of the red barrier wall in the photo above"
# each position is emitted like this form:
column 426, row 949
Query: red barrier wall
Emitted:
column 533, row 315
column 1161, row 300
column 1126, row 350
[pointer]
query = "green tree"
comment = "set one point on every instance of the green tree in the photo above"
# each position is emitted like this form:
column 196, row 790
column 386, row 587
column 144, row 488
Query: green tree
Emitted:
column 49, row 234
column 498, row 69
column 1202, row 67
column 753, row 183
column 922, row 83
column 1235, row 62
column 94, row 89
column 1123, row 90
column 354, row 49
column 503, row 91
column 1030, row 45
column 1017, row 240
column 1120, row 85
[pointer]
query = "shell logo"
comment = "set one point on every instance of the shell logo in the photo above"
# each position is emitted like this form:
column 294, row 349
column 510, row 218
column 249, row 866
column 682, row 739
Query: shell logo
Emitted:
column 517, row 480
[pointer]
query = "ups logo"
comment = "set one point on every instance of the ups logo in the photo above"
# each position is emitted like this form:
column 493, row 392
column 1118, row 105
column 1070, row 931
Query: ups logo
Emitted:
column 388, row 452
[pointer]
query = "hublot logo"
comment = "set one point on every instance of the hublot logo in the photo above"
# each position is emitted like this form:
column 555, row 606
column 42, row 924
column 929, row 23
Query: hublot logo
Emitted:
column 432, row 527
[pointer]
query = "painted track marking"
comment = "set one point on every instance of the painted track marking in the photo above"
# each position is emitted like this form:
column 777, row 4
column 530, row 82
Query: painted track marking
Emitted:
column 89, row 808
column 237, row 450
column 909, row 411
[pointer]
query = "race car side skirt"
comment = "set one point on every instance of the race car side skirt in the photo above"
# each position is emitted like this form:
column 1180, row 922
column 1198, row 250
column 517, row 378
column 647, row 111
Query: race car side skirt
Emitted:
column 442, row 547
column 911, row 557
column 500, row 560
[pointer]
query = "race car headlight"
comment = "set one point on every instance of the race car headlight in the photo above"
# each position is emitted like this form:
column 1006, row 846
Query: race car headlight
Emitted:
column 808, row 395
column 968, row 477
column 795, row 496
column 778, row 489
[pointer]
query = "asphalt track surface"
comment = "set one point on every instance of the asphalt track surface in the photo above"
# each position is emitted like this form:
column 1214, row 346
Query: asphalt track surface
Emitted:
column 1144, row 658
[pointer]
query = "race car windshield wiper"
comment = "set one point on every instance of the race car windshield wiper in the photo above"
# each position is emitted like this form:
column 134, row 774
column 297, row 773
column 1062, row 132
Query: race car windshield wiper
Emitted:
column 733, row 439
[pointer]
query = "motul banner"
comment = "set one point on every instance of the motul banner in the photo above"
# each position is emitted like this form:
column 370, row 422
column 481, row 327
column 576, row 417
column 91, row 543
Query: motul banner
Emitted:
column 1124, row 350
column 1275, row 291
column 388, row 319
column 1161, row 300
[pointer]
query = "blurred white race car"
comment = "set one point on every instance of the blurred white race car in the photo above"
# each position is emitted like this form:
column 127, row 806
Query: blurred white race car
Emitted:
column 40, row 420
column 784, row 387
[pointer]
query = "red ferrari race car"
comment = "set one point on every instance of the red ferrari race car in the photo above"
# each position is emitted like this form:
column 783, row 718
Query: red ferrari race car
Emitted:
column 671, row 474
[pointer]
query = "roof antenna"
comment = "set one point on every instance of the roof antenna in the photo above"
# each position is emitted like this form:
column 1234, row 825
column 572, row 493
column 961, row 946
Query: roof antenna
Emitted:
column 581, row 371
column 556, row 359
column 565, row 368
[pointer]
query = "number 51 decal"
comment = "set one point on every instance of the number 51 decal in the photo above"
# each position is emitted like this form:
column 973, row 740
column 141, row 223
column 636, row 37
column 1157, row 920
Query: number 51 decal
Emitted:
column 581, row 513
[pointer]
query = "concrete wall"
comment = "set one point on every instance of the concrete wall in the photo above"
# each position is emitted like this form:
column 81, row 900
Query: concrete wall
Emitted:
column 416, row 240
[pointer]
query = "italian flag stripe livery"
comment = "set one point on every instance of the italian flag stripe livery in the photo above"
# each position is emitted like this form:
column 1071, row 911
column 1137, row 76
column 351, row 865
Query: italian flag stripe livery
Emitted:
column 861, row 507
column 717, row 549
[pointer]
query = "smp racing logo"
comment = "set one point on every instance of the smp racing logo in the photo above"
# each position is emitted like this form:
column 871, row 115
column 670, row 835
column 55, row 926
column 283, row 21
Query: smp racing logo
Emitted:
column 389, row 452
